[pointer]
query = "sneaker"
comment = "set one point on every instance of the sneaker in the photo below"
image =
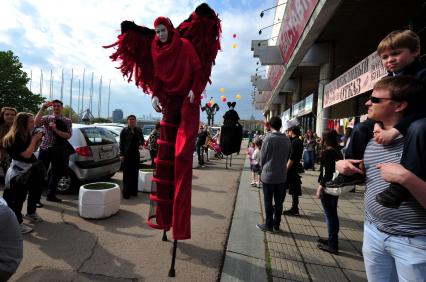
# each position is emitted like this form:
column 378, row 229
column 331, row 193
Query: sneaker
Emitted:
column 393, row 196
column 328, row 249
column 25, row 229
column 33, row 217
column 264, row 228
column 346, row 180
column 53, row 199
column 39, row 205
column 291, row 212
column 276, row 228
column 253, row 183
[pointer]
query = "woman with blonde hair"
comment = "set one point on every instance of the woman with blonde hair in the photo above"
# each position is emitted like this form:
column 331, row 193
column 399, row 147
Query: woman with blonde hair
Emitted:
column 24, row 169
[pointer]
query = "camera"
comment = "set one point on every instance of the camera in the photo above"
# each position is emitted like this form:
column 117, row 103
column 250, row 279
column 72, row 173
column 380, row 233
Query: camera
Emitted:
column 39, row 129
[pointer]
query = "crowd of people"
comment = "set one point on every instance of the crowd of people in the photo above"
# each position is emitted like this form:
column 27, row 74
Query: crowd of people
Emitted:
column 387, row 153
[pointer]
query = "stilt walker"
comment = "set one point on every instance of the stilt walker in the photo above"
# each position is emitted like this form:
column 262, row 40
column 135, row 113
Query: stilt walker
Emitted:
column 174, row 66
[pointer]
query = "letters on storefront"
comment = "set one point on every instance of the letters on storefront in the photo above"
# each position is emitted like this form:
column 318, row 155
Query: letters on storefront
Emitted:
column 357, row 80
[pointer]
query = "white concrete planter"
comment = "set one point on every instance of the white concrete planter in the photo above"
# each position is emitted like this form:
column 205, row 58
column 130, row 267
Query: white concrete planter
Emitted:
column 194, row 160
column 145, row 180
column 98, row 199
column 211, row 154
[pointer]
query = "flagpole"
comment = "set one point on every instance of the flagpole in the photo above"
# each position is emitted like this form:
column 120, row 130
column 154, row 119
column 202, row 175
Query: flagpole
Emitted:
column 82, row 93
column 78, row 101
column 109, row 96
column 62, row 86
column 100, row 98
column 91, row 93
column 72, row 77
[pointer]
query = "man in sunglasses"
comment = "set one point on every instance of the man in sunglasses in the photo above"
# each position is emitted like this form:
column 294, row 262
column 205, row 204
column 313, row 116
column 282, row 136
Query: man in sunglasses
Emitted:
column 400, row 52
column 394, row 239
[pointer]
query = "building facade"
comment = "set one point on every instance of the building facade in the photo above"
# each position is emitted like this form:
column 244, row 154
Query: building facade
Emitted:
column 321, row 61
column 117, row 115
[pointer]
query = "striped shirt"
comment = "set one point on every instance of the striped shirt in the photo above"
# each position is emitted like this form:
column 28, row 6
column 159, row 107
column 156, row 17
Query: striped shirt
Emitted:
column 49, row 138
column 410, row 217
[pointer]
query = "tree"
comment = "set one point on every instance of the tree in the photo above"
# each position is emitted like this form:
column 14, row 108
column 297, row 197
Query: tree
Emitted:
column 13, row 89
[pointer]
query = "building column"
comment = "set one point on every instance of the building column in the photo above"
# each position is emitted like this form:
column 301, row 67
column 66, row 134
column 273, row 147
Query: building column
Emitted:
column 324, row 78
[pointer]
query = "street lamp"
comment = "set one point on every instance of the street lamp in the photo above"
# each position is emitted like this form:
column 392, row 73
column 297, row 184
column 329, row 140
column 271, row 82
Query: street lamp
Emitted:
column 260, row 31
column 262, row 12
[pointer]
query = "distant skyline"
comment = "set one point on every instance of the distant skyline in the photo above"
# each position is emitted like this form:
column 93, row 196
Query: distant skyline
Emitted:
column 50, row 37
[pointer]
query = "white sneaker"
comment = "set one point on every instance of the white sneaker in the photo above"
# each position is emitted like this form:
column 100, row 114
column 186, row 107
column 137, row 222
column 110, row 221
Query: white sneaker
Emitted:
column 34, row 217
column 25, row 229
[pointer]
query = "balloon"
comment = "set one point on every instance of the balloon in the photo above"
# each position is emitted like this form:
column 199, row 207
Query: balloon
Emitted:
column 223, row 98
column 238, row 96
column 234, row 45
column 222, row 90
column 234, row 35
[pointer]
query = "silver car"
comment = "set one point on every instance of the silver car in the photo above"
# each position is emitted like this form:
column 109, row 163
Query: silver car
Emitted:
column 96, row 156
column 115, row 129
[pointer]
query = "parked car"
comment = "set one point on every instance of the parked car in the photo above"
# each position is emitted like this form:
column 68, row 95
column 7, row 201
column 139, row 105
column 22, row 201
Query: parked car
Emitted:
column 147, row 129
column 96, row 157
column 115, row 129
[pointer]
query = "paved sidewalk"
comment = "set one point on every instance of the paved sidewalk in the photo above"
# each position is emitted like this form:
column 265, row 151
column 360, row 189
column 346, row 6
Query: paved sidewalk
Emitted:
column 292, row 253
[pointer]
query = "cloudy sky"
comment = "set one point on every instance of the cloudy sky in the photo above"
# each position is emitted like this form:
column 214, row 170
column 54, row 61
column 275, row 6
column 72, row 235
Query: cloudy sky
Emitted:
column 68, row 35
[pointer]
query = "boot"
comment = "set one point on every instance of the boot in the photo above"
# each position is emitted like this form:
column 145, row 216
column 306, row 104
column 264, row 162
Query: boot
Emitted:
column 393, row 196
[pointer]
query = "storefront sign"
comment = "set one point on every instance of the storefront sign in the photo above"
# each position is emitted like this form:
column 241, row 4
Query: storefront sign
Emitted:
column 274, row 74
column 359, row 79
column 286, row 115
column 296, row 17
column 303, row 107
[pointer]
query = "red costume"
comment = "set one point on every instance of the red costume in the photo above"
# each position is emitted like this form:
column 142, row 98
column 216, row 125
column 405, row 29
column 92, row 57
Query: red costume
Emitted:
column 170, row 70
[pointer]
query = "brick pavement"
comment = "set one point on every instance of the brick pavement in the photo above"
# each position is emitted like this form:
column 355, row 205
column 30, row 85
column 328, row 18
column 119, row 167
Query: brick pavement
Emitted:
column 293, row 253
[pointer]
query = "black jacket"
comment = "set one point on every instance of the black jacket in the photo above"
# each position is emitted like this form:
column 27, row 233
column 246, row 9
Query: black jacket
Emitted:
column 126, row 140
column 328, row 164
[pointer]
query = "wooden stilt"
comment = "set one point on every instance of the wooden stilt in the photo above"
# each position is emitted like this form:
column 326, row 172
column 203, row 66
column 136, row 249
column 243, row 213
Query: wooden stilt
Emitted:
column 172, row 272
column 164, row 236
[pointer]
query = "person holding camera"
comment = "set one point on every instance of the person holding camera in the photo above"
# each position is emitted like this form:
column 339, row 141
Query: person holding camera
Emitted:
column 24, row 172
column 55, row 149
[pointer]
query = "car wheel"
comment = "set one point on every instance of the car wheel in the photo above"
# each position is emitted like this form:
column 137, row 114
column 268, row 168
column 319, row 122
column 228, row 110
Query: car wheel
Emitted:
column 68, row 184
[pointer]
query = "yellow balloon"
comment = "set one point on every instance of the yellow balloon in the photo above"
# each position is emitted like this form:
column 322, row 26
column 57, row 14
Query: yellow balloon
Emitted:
column 238, row 96
column 234, row 45
column 222, row 90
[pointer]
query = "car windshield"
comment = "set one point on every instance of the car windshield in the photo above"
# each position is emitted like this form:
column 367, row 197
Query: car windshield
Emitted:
column 147, row 130
column 97, row 136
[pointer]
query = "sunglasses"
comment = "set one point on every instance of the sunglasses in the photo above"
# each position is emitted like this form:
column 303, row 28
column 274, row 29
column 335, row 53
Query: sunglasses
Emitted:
column 377, row 100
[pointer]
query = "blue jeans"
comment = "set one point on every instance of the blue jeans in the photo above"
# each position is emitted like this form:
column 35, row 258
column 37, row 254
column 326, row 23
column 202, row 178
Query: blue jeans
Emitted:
column 273, row 213
column 308, row 159
column 329, row 203
column 392, row 258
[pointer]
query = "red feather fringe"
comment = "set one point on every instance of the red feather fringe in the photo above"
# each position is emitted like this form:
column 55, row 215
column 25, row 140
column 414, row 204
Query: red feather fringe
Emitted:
column 134, row 54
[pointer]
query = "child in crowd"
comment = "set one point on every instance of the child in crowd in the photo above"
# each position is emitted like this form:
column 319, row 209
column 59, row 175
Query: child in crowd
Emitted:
column 399, row 51
column 328, row 158
column 250, row 151
column 256, row 161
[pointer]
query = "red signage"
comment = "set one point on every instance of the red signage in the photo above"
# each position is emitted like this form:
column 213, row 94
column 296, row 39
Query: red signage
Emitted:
column 274, row 74
column 297, row 14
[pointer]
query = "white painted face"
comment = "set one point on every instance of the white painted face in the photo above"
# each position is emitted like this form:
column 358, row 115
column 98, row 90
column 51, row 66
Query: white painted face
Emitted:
column 161, row 32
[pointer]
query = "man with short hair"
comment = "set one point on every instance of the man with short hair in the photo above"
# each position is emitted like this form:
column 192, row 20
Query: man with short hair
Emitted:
column 294, row 182
column 394, row 239
column 53, row 149
column 273, row 162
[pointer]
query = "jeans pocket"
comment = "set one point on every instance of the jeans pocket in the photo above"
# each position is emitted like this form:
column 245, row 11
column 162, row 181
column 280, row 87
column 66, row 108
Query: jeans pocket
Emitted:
column 418, row 242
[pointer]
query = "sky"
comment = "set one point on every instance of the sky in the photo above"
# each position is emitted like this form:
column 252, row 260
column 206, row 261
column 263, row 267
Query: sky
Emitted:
column 67, row 35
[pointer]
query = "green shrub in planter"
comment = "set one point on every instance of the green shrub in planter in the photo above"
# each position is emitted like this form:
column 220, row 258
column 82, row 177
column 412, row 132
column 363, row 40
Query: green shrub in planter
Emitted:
column 99, row 186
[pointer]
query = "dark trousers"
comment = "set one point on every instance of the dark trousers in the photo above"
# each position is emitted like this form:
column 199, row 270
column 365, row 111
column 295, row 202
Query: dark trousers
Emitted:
column 200, row 154
column 329, row 203
column 153, row 154
column 58, row 164
column 273, row 212
column 130, row 176
column 15, row 196
column 294, row 187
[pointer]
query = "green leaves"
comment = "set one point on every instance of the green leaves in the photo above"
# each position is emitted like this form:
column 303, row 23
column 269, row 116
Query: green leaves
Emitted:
column 13, row 89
